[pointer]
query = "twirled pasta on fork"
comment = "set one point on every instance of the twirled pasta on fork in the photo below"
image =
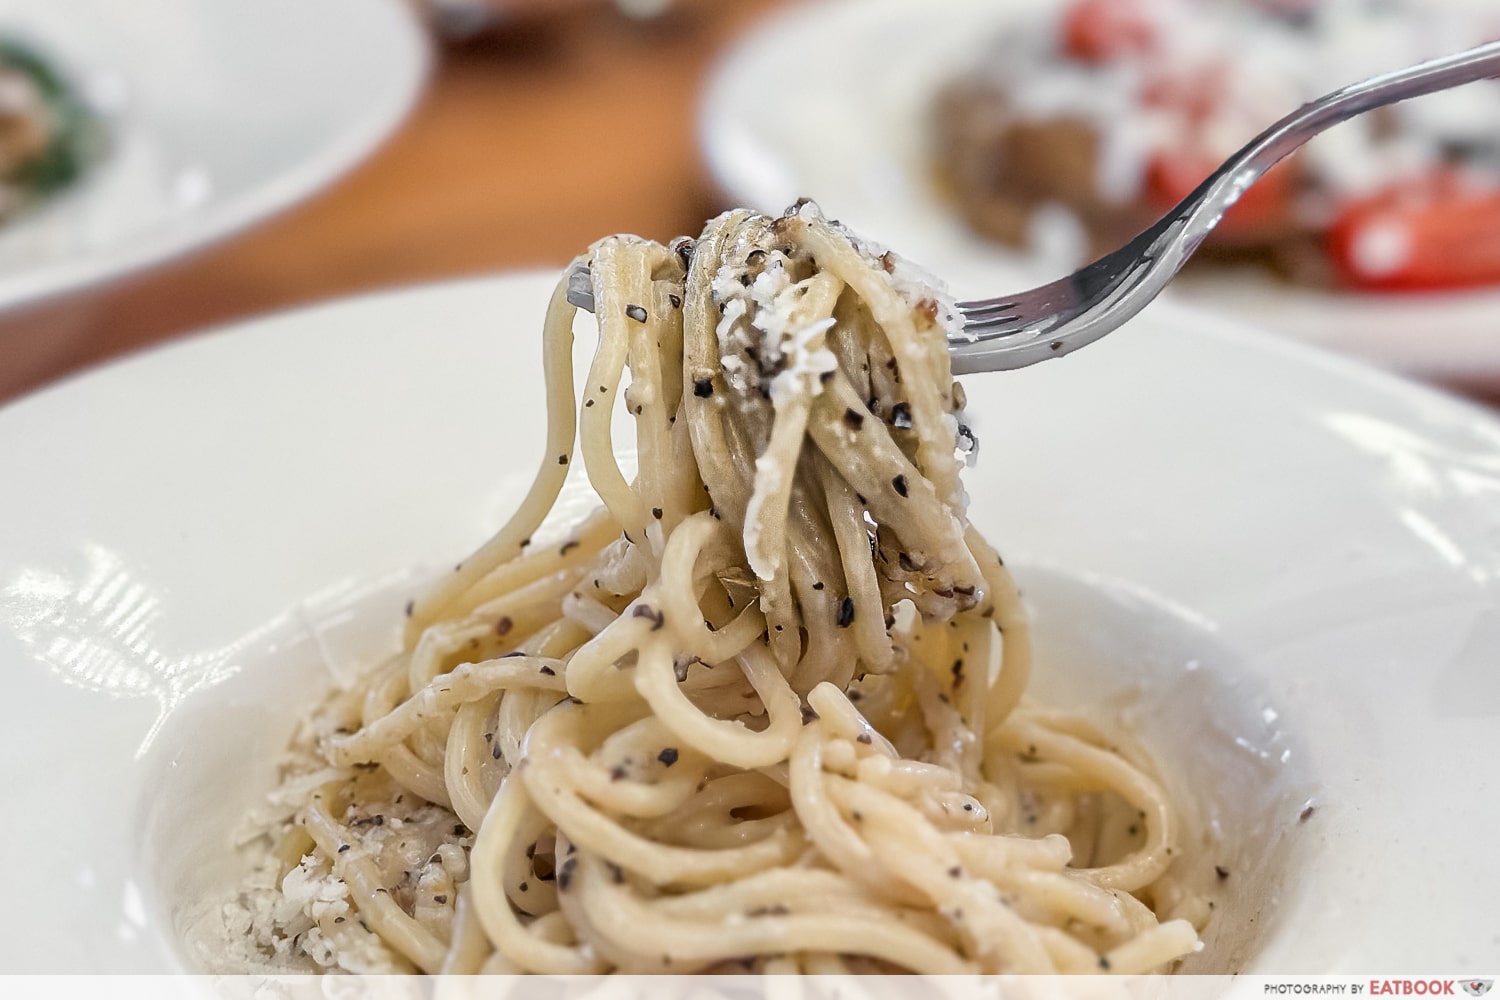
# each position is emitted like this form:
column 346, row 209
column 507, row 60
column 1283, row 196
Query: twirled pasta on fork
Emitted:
column 764, row 710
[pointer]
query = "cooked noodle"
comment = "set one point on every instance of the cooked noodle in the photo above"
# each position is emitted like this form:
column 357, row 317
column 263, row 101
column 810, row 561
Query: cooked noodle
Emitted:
column 764, row 709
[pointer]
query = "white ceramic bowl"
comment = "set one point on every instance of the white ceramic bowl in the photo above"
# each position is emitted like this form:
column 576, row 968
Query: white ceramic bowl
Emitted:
column 1280, row 565
column 851, row 128
column 219, row 113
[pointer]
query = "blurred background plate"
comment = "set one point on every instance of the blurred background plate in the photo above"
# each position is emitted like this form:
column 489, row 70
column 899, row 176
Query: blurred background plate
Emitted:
column 217, row 113
column 855, row 134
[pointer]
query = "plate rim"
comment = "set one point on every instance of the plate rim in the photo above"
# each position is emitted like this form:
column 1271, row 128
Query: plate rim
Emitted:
column 167, row 240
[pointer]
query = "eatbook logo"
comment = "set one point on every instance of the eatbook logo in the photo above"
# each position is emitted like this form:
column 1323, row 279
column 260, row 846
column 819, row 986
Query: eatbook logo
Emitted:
column 1477, row 987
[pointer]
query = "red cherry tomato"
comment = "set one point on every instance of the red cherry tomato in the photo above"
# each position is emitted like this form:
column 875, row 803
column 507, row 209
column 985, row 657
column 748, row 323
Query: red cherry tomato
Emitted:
column 1432, row 235
column 1262, row 214
column 1097, row 31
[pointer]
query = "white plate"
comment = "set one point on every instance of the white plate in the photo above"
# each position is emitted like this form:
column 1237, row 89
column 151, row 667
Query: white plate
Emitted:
column 1286, row 562
column 219, row 114
column 853, row 132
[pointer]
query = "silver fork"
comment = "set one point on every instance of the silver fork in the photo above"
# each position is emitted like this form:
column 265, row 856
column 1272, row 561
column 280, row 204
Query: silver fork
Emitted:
column 1013, row 331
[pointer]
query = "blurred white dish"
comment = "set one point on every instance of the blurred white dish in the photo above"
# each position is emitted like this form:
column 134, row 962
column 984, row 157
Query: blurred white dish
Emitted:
column 188, row 533
column 218, row 114
column 854, row 134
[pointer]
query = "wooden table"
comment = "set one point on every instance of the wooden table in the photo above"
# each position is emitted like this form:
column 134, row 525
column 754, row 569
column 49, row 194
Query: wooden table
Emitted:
column 530, row 143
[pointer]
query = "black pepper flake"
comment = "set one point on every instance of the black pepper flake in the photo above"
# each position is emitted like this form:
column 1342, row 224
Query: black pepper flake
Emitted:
column 864, row 738
column 637, row 313
column 774, row 910
column 618, row 773
column 676, row 301
column 656, row 513
column 588, row 402
column 657, row 618
column 343, row 848
column 441, row 898
column 1221, row 871
column 808, row 715
column 495, row 752
column 703, row 387
column 955, row 872
column 524, row 887
column 901, row 416
column 825, row 377
column 503, row 626
column 818, row 585
column 1055, row 345
column 565, row 874
column 410, row 607
column 846, row 612
column 338, row 920
column 548, row 671
column 616, row 873
column 854, row 419
column 968, row 807
column 1103, row 962
column 1306, row 814
column 857, row 816
column 958, row 670
column 568, row 547
column 668, row 757
column 899, row 484
column 562, row 459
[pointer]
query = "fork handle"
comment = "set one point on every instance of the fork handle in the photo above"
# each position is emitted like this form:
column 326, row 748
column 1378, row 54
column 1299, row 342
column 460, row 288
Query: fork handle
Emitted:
column 1275, row 143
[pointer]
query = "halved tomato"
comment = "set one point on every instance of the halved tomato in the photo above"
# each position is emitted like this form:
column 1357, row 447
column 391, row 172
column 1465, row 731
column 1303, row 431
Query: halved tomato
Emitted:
column 1434, row 234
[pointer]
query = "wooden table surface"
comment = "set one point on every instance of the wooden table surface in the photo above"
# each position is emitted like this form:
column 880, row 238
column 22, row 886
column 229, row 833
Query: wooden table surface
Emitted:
column 531, row 142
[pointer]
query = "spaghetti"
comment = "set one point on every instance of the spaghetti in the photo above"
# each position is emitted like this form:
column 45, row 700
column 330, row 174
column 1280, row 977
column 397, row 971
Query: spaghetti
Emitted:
column 763, row 710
